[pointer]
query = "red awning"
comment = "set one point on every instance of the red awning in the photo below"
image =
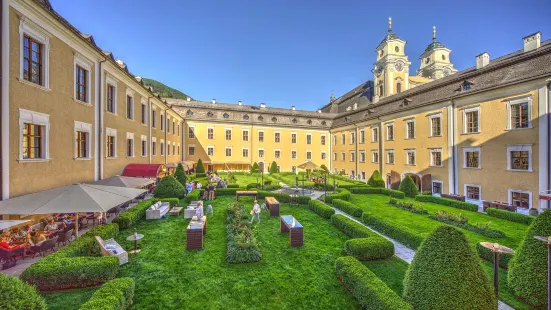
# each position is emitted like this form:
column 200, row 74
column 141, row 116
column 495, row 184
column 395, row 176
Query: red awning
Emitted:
column 144, row 170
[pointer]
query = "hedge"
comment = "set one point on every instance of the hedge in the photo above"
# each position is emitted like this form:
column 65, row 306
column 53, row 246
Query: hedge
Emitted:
column 446, row 274
column 351, row 227
column 349, row 186
column 342, row 178
column 347, row 207
column 343, row 194
column 372, row 248
column 510, row 216
column 487, row 254
column 192, row 196
column 221, row 192
column 233, row 186
column 448, row 202
column 375, row 190
column 114, row 294
column 16, row 294
column 401, row 234
column 370, row 291
column 242, row 246
column 482, row 229
column 320, row 208
column 169, row 187
column 134, row 214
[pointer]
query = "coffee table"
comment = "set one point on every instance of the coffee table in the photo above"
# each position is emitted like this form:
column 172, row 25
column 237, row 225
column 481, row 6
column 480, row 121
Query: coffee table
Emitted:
column 175, row 211
column 135, row 238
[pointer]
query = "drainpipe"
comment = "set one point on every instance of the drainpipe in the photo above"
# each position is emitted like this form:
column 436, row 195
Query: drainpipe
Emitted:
column 454, row 150
column 548, row 115
column 1, row 80
column 99, row 130
column 150, row 140
column 4, row 95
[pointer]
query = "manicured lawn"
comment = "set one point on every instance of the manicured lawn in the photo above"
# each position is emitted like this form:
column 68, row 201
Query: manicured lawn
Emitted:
column 170, row 277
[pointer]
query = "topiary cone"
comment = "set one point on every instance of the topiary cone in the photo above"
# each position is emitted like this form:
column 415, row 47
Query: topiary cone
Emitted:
column 446, row 274
column 408, row 187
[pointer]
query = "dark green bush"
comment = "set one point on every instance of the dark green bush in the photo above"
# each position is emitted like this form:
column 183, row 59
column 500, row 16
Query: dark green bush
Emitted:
column 200, row 169
column 193, row 196
column 169, row 187
column 273, row 168
column 172, row 201
column 347, row 207
column 372, row 248
column 134, row 214
column 255, row 168
column 86, row 244
column 342, row 194
column 376, row 180
column 180, row 175
column 233, row 186
column 324, row 169
column 114, row 294
column 408, row 187
column 528, row 269
column 446, row 274
column 320, row 208
column 382, row 191
column 399, row 233
column 200, row 175
column 510, row 216
column 16, row 294
column 304, row 200
column 448, row 202
column 370, row 291
column 487, row 254
column 350, row 227
column 242, row 246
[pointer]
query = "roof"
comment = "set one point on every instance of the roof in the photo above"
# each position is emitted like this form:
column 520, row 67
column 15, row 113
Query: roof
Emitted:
column 360, row 95
column 390, row 36
column 124, row 181
column 419, row 79
column 143, row 170
column 434, row 45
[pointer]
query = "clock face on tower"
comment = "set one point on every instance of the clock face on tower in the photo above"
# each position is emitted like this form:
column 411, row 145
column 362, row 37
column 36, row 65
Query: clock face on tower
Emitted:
column 399, row 66
column 447, row 72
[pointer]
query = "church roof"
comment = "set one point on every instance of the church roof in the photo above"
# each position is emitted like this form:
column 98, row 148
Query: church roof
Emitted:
column 434, row 45
column 390, row 36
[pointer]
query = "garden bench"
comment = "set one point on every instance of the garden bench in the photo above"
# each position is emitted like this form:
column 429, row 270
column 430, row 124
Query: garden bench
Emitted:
column 289, row 224
column 112, row 248
column 157, row 211
column 246, row 193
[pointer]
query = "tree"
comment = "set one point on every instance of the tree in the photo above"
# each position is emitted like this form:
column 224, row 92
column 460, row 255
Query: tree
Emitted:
column 255, row 168
column 446, row 274
column 200, row 170
column 528, row 268
column 376, row 180
column 180, row 174
column 273, row 168
column 408, row 187
column 324, row 169
column 169, row 187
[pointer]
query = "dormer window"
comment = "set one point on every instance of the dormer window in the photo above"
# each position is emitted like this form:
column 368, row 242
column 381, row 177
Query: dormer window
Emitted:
column 309, row 122
column 346, row 118
column 323, row 123
column 466, row 85
column 427, row 60
column 397, row 49
column 406, row 102
column 294, row 121
column 246, row 117
column 443, row 57
column 355, row 106
column 210, row 114
column 226, row 115
column 260, row 118
column 274, row 119
column 189, row 113
column 348, row 109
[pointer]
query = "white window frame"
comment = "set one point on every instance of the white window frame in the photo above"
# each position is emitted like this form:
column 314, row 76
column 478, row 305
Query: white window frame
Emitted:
column 162, row 118
column 472, row 185
column 310, row 136
column 86, row 64
column 468, row 110
column 263, row 136
column 361, row 139
column 226, row 148
column 178, row 148
column 248, row 135
column 343, row 138
column 373, row 154
column 394, row 156
column 410, row 121
column 362, row 154
column 323, row 139
column 194, row 150
column 335, row 156
column 472, row 150
column 110, row 81
column 439, row 117
column 153, row 117
column 130, row 136
column 334, row 139
column 243, row 149
column 510, row 199
column 35, row 118
column 194, row 133
column 296, row 138
column 131, row 94
column 514, row 101
column 87, row 128
column 27, row 26
column 295, row 153
column 323, row 155
column 225, row 133
column 153, row 146
column 374, row 135
column 162, row 147
column 208, row 148
column 432, row 187
column 213, row 133
column 519, row 147
column 308, row 152
column 352, row 137
column 263, row 153
column 144, row 139
column 343, row 156
column 276, row 133
column 393, row 133
column 146, row 116
column 109, row 132
column 275, row 156
column 431, row 152
column 352, row 156
column 414, row 156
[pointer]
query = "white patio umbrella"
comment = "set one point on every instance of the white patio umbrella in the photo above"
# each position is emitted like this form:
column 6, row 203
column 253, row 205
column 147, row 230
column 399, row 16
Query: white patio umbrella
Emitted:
column 70, row 199
column 10, row 223
column 123, row 181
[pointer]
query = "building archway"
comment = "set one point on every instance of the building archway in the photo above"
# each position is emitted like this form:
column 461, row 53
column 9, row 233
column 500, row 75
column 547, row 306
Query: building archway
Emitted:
column 417, row 178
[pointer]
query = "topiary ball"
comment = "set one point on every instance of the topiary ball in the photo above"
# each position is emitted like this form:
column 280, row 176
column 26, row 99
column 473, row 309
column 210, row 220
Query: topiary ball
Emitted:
column 169, row 187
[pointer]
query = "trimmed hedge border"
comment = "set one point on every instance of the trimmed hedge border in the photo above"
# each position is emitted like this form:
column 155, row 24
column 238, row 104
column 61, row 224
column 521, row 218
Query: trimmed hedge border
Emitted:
column 510, row 216
column 371, row 248
column 370, row 291
column 114, row 294
column 233, row 186
column 351, row 186
column 192, row 196
column 321, row 209
column 350, row 227
column 378, row 190
column 448, row 202
column 136, row 213
column 400, row 234
column 16, row 294
column 347, row 207
column 343, row 194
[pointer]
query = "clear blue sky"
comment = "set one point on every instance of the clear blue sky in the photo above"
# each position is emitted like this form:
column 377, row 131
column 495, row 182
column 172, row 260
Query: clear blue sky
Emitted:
column 289, row 52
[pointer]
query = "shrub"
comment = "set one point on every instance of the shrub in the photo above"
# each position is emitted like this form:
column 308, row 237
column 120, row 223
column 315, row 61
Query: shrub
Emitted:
column 303, row 200
column 431, row 282
column 180, row 175
column 233, row 186
column 114, row 294
column 273, row 168
column 252, row 185
column 347, row 207
column 487, row 254
column 255, row 168
column 408, row 206
column 427, row 193
column 448, row 202
column 134, row 214
column 399, row 233
column 370, row 291
column 200, row 169
column 350, row 227
column 510, row 216
column 372, row 248
column 528, row 269
column 320, row 208
column 16, row 294
column 382, row 191
column 324, row 169
column 341, row 194
column 169, row 187
column 408, row 187
column 461, row 221
column 242, row 246
column 193, row 196
column 376, row 180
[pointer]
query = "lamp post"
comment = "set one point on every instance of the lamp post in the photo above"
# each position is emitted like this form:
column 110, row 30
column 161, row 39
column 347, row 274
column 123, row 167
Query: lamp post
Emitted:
column 302, row 185
column 257, row 179
column 325, row 186
column 262, row 172
column 497, row 249
column 334, row 184
column 548, row 241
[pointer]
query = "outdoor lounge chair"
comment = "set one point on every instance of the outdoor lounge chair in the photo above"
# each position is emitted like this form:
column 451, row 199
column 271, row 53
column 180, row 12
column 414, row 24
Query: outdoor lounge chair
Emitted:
column 65, row 237
column 112, row 248
column 44, row 246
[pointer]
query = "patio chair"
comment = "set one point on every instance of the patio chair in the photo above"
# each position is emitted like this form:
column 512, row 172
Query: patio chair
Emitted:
column 44, row 246
column 9, row 257
column 115, row 210
column 65, row 237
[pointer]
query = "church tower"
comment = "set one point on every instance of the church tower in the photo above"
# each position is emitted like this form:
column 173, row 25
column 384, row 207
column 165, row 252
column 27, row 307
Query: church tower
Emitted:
column 435, row 60
column 391, row 70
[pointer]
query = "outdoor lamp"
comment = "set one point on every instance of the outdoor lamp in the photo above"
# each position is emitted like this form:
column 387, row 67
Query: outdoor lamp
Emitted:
column 497, row 249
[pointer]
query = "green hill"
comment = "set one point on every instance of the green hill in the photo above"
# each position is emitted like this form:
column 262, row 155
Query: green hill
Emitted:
column 164, row 90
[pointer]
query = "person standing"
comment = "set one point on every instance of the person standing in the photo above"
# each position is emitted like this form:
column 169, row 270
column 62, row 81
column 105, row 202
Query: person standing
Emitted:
column 255, row 211
column 212, row 190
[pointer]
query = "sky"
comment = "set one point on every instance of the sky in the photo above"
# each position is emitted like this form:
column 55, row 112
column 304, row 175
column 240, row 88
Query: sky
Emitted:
column 289, row 52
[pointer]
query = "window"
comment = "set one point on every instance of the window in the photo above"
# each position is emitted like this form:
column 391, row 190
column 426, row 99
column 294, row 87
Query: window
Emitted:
column 436, row 187
column 335, row 156
column 228, row 134
column 277, row 137
column 293, row 138
column 472, row 192
column 144, row 113
column 519, row 111
column 154, row 119
column 334, row 139
column 111, row 95
column 390, row 132
column 210, row 133
column 111, row 141
column 162, row 121
column 178, row 129
column 245, row 135
column 323, row 155
column 352, row 156
column 154, row 148
column 178, row 149
column 228, row 151
column 343, row 138
column 352, row 137
column 390, row 157
column 167, row 125
column 362, row 136
column 190, row 132
column 261, row 136
column 34, row 135
column 519, row 157
column 33, row 141
column 144, row 147
column 129, row 147
column 398, row 86
column 173, row 149
column 472, row 157
column 163, row 148
column 261, row 153
column 375, row 156
column 309, row 155
column 435, row 126
column 130, row 107
column 322, row 139
column 210, row 150
column 308, row 139
column 82, row 144
column 520, row 199
column 343, row 156
column 277, row 154
column 168, row 148
column 375, row 134
column 294, row 154
column 471, row 120
column 245, row 152
column 410, row 157
column 410, row 129
column 81, row 83
column 436, row 158
column 362, row 156
column 33, row 60
column 191, row 150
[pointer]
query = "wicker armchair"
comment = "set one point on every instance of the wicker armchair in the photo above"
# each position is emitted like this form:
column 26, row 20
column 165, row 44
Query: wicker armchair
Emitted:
column 112, row 248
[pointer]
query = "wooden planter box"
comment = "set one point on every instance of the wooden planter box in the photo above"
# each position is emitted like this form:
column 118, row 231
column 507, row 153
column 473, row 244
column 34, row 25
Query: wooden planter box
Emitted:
column 273, row 206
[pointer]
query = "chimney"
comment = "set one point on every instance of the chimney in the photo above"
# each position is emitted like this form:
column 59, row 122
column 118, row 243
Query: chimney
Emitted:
column 482, row 60
column 263, row 105
column 188, row 99
column 240, row 102
column 214, row 101
column 532, row 42
column 293, row 108
column 319, row 111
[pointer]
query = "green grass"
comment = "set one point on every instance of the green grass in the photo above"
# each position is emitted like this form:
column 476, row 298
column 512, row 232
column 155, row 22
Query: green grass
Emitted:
column 168, row 276
column 392, row 271
column 66, row 299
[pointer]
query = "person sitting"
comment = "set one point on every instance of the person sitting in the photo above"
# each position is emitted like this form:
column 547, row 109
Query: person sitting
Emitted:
column 5, row 242
column 199, row 185
column 206, row 193
column 51, row 225
column 36, row 238
column 199, row 210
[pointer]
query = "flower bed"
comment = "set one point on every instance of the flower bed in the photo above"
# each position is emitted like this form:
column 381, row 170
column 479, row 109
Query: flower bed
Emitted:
column 463, row 222
column 377, row 190
column 114, row 294
column 408, row 206
column 320, row 208
column 242, row 246
column 347, row 207
column 448, row 202
column 510, row 216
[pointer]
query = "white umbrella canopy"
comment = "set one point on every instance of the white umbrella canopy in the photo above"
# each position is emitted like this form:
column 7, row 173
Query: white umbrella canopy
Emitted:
column 123, row 181
column 4, row 224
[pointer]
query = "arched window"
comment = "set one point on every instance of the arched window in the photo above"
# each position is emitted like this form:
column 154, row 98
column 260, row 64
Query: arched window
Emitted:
column 260, row 118
column 246, row 117
column 380, row 88
column 210, row 114
column 323, row 123
column 309, row 122
column 274, row 119
column 398, row 85
column 294, row 121
column 189, row 113
column 226, row 115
